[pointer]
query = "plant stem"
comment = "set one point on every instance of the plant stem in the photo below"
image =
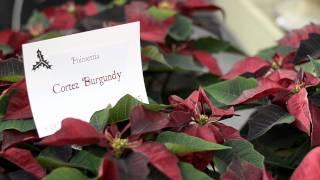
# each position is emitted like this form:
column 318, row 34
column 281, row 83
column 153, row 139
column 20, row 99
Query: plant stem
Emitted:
column 16, row 15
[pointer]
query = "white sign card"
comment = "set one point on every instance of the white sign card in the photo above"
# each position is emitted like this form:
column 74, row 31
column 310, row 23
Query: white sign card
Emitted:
column 76, row 75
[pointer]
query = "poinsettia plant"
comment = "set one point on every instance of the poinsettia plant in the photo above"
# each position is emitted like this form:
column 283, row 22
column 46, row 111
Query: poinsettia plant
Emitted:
column 181, row 133
column 282, row 84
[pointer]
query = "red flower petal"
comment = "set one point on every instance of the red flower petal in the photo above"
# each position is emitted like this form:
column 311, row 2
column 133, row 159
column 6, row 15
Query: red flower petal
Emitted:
column 5, row 36
column 203, row 131
column 207, row 60
column 309, row 167
column 60, row 19
column 63, row 21
column 109, row 168
column 200, row 160
column 227, row 132
column 198, row 5
column 12, row 137
column 294, row 37
column 151, row 29
column 18, row 107
column 144, row 121
column 199, row 98
column 179, row 119
column 24, row 160
column 282, row 74
column 175, row 100
column 217, row 112
column 90, row 8
column 315, row 133
column 285, row 61
column 187, row 104
column 161, row 158
column 50, row 11
column 1, row 57
column 17, row 39
column 246, row 170
column 310, row 80
column 248, row 65
column 136, row 166
column 265, row 88
column 73, row 131
column 298, row 106
column 133, row 167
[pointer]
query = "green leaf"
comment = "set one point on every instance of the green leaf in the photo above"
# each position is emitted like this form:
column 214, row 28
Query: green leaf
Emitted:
column 316, row 66
column 161, row 14
column 265, row 118
column 50, row 163
column 284, row 136
column 182, row 63
column 226, row 91
column 241, row 149
column 65, row 173
column 208, row 79
column 211, row 44
column 48, row 35
column 5, row 49
column 100, row 118
column 155, row 174
column 153, row 53
column 154, row 66
column 120, row 112
column 284, row 50
column 19, row 125
column 181, row 29
column 190, row 173
column 308, row 47
column 269, row 52
column 86, row 160
column 63, row 153
column 312, row 67
column 11, row 70
column 180, row 143
column 4, row 101
column 288, row 158
column 272, row 158
column 155, row 106
column 306, row 67
column 38, row 18
column 119, row 2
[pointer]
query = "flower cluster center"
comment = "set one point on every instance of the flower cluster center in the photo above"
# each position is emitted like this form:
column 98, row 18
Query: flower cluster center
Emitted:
column 275, row 65
column 296, row 89
column 203, row 119
column 119, row 144
column 166, row 5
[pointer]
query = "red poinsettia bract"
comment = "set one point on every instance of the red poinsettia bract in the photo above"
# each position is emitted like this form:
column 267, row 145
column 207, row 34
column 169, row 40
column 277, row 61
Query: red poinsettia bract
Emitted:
column 309, row 167
column 260, row 67
column 18, row 106
column 293, row 94
column 197, row 116
column 66, row 16
column 151, row 29
column 23, row 159
column 294, row 38
column 74, row 131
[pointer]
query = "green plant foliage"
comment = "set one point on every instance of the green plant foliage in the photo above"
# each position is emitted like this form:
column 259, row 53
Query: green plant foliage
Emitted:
column 226, row 91
column 180, row 143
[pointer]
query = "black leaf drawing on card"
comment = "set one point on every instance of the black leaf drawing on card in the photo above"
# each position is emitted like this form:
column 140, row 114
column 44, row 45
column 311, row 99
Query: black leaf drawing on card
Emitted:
column 42, row 62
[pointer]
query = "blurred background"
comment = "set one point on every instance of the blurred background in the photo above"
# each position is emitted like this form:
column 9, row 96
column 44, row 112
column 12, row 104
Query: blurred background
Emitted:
column 251, row 25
